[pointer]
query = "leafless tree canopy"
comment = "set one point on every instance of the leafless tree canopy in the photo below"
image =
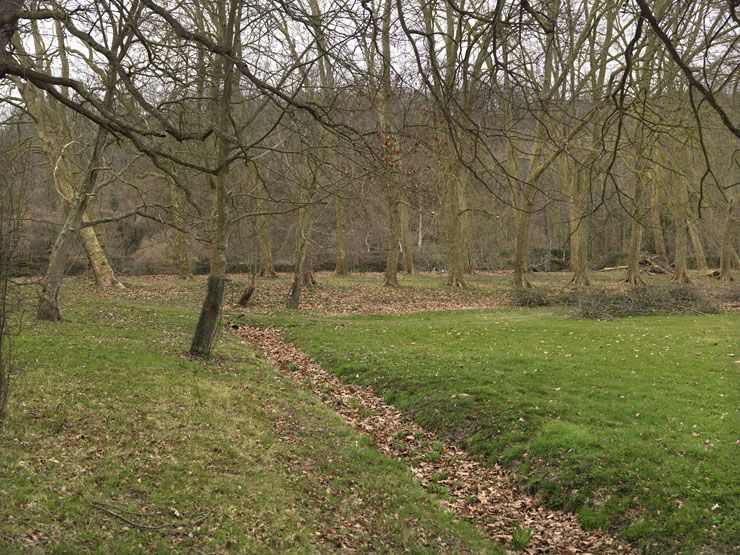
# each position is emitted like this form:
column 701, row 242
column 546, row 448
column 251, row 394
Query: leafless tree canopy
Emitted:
column 372, row 134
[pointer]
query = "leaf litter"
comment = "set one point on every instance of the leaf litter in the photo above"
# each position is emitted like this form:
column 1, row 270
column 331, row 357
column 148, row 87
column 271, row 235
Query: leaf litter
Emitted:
column 486, row 495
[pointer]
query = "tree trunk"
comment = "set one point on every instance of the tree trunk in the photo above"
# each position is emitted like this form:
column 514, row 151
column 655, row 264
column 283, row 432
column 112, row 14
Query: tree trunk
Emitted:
column 210, row 314
column 466, row 244
column 577, row 194
column 222, row 92
column 182, row 252
column 633, row 254
column 58, row 142
column 455, row 272
column 302, row 266
column 657, row 226
column 391, row 265
column 728, row 252
column 48, row 304
column 681, row 276
column 406, row 244
column 267, row 267
column 699, row 256
column 342, row 265
column 102, row 271
column 521, row 256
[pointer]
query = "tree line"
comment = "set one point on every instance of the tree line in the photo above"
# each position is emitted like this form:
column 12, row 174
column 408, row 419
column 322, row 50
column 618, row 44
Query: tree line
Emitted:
column 455, row 134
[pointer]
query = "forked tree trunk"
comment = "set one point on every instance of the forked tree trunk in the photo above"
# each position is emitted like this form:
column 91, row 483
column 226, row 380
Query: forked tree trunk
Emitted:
column 342, row 265
column 391, row 265
column 48, row 304
column 406, row 243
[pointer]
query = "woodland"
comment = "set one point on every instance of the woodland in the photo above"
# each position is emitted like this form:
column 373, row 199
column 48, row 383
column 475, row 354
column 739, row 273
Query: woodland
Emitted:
column 369, row 275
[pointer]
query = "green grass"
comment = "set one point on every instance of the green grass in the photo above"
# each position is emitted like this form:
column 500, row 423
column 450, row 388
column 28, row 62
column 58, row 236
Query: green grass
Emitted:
column 107, row 410
column 631, row 423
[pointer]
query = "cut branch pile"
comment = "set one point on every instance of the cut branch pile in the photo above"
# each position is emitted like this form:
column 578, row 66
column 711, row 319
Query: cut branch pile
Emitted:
column 486, row 495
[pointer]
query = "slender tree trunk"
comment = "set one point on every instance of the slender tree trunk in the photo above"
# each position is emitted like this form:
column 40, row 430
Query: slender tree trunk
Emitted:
column 406, row 244
column 453, row 240
column 635, row 244
column 577, row 193
column 657, row 226
column 342, row 265
column 521, row 256
column 182, row 252
column 699, row 256
column 58, row 142
column 210, row 314
column 728, row 254
column 301, row 255
column 267, row 267
column 222, row 94
column 391, row 266
column 466, row 231
column 681, row 275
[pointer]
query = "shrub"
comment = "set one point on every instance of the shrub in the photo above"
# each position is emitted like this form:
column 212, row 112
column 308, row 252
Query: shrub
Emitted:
column 528, row 297
column 641, row 301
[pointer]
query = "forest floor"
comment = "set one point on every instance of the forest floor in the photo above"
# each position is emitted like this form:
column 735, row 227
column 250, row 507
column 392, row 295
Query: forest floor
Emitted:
column 117, row 442
column 361, row 293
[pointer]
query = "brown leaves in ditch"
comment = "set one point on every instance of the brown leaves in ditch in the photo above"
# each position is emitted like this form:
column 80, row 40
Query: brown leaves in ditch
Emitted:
column 485, row 495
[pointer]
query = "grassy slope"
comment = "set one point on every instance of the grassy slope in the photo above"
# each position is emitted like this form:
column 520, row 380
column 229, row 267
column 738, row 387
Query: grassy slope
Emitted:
column 632, row 422
column 106, row 409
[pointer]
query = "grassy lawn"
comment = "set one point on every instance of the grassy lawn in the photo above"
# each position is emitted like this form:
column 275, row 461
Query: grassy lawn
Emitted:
column 224, row 456
column 631, row 423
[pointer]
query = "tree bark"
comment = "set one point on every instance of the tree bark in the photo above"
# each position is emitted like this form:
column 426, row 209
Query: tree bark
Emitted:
column 48, row 304
column 699, row 256
column 182, row 252
column 267, row 267
column 406, row 243
column 391, row 266
column 657, row 226
column 521, row 256
column 681, row 275
column 223, row 85
column 728, row 254
column 299, row 277
column 466, row 243
column 453, row 240
column 210, row 314
column 342, row 265
column 577, row 194
column 635, row 244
